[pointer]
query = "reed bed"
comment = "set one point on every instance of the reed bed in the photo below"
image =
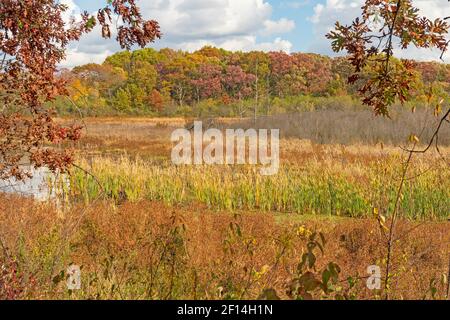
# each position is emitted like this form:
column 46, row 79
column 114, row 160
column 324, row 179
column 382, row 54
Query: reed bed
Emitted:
column 316, row 187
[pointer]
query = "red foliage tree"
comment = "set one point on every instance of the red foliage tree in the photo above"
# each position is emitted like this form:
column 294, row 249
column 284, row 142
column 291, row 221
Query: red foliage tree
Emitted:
column 33, row 41
column 281, row 65
column 316, row 70
column 156, row 100
column 238, row 82
column 207, row 82
column 430, row 71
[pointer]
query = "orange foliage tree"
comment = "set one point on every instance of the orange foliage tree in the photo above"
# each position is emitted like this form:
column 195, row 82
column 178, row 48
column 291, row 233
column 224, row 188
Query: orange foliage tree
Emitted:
column 33, row 40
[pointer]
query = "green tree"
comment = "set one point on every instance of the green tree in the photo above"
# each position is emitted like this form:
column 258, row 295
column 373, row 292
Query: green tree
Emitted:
column 122, row 100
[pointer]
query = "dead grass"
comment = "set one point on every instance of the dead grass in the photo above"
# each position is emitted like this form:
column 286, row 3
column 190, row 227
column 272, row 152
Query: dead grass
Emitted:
column 148, row 250
column 362, row 137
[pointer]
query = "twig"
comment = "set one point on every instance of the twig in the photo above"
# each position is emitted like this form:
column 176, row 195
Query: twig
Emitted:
column 435, row 136
column 91, row 175
column 392, row 225
column 389, row 47
column 448, row 279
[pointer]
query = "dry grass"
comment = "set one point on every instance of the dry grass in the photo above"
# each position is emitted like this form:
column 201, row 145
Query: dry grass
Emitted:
column 357, row 134
column 148, row 250
column 354, row 127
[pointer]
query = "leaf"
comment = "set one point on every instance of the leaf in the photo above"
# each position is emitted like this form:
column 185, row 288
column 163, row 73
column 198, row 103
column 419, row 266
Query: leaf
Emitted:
column 269, row 294
column 311, row 260
column 334, row 270
column 264, row 269
column 326, row 277
column 306, row 296
column 437, row 110
column 91, row 23
column 59, row 277
column 238, row 230
column 301, row 265
column 308, row 282
column 376, row 212
column 413, row 139
column 322, row 237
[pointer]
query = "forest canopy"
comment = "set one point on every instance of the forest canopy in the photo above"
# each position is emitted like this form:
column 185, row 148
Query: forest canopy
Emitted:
column 217, row 82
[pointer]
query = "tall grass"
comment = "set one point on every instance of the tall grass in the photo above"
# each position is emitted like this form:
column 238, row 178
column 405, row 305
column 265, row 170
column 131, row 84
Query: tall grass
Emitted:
column 332, row 126
column 315, row 188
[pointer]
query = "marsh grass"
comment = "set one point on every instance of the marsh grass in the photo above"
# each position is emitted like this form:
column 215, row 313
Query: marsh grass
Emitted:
column 157, row 231
column 317, row 187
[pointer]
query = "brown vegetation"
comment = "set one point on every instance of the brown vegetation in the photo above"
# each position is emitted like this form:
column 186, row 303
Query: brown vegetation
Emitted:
column 150, row 137
column 149, row 250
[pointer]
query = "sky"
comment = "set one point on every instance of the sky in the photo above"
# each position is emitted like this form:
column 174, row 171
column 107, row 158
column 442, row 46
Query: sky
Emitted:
column 268, row 25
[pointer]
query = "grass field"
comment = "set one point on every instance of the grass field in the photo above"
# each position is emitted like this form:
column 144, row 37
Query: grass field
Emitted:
column 141, row 228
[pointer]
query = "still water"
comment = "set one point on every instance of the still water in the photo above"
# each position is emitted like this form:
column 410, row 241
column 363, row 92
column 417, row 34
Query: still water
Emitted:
column 37, row 187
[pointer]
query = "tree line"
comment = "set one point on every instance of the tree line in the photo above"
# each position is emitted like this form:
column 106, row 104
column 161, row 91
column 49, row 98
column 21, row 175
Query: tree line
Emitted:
column 217, row 82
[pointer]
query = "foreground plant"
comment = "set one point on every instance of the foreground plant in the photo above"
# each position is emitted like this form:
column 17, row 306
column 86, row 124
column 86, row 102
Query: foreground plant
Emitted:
column 370, row 42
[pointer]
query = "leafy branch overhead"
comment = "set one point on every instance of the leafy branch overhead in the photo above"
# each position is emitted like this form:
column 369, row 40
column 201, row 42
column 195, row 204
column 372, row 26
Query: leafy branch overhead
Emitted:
column 370, row 42
column 33, row 40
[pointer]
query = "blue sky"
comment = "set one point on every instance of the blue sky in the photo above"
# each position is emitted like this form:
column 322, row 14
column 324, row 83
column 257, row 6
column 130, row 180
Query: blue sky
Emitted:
column 298, row 11
column 269, row 25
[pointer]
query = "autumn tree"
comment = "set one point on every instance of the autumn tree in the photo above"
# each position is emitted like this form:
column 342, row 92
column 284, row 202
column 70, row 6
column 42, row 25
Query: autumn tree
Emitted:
column 141, row 82
column 120, row 60
column 238, row 84
column 207, row 81
column 175, row 73
column 213, row 52
column 316, row 71
column 33, row 40
column 342, row 69
column 257, row 64
column 94, row 81
column 432, row 71
column 286, row 77
column 156, row 101
column 370, row 41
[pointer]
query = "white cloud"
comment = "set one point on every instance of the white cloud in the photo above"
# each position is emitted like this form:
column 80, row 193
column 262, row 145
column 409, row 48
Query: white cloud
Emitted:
column 72, row 10
column 191, row 24
column 236, row 43
column 230, row 24
column 207, row 19
column 249, row 43
column 276, row 27
column 77, row 58
column 91, row 48
column 327, row 13
column 433, row 8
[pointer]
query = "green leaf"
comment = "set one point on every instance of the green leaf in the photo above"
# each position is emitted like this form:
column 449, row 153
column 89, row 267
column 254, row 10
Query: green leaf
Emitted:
column 326, row 277
column 311, row 260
